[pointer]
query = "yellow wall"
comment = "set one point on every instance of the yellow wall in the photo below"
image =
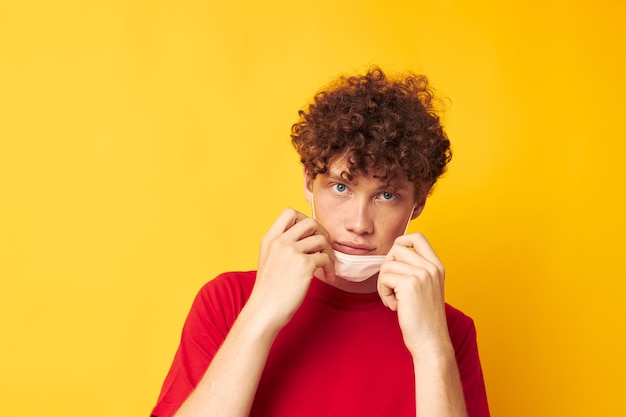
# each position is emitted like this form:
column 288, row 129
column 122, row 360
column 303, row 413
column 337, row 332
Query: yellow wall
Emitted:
column 144, row 147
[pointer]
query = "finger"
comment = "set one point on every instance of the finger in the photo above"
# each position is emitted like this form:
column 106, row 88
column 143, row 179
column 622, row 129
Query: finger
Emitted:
column 304, row 227
column 420, row 245
column 407, row 257
column 329, row 268
column 292, row 226
column 386, row 286
column 329, row 271
column 283, row 222
column 320, row 243
column 313, row 244
column 309, row 227
column 406, row 279
column 402, row 267
column 324, row 261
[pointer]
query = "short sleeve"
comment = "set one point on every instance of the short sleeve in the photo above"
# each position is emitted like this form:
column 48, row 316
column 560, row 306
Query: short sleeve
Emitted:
column 214, row 310
column 463, row 336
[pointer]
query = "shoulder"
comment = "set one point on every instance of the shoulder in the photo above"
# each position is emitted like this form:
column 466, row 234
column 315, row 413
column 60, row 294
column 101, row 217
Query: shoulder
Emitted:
column 463, row 336
column 457, row 317
column 460, row 326
column 229, row 282
column 229, row 290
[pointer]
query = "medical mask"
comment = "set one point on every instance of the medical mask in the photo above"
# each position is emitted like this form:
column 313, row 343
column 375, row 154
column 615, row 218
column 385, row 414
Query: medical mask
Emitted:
column 357, row 268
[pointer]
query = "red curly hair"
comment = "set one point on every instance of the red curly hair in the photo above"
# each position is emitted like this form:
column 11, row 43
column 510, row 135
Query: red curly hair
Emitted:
column 383, row 126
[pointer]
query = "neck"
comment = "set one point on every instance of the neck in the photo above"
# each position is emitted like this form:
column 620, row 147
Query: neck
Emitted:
column 368, row 286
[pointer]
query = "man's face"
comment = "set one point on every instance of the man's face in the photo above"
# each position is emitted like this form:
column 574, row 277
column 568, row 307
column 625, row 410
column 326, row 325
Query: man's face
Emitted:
column 363, row 216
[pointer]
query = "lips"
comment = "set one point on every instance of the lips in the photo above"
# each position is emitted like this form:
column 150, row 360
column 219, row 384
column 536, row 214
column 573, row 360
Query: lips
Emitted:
column 352, row 248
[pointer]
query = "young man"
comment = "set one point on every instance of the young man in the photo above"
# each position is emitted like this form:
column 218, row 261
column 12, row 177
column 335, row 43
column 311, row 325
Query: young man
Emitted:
column 345, row 315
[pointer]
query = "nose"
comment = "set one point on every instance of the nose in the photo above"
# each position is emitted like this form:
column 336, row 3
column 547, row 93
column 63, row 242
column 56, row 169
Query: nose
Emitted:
column 359, row 217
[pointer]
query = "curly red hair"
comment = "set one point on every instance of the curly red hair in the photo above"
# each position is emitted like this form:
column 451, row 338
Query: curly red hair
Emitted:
column 383, row 126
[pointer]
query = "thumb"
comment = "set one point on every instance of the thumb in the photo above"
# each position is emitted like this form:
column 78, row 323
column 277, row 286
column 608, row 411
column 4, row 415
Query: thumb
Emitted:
column 386, row 292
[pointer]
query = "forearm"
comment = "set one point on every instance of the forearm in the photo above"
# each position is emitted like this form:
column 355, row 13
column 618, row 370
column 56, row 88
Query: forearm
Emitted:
column 438, row 388
column 229, row 385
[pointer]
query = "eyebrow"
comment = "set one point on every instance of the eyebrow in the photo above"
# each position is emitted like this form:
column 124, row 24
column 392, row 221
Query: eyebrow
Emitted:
column 384, row 186
column 339, row 176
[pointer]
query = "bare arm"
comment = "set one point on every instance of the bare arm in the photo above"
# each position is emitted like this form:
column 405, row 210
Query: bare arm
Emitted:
column 294, row 247
column 411, row 282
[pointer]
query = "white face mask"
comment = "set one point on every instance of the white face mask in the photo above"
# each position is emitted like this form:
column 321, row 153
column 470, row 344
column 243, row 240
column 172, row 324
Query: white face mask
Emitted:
column 358, row 268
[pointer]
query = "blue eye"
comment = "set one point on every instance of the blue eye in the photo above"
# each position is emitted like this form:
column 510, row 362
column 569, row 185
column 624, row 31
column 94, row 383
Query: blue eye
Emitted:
column 387, row 196
column 340, row 188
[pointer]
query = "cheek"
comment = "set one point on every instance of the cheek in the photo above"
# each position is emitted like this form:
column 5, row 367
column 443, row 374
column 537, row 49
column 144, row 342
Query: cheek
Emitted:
column 323, row 214
column 326, row 208
column 330, row 223
column 391, row 229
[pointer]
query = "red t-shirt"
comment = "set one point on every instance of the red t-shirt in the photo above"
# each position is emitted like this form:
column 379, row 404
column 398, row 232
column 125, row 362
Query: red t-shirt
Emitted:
column 342, row 354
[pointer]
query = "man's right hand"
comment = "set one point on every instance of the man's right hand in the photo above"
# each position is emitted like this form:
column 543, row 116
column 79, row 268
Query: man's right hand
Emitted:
column 291, row 251
column 293, row 248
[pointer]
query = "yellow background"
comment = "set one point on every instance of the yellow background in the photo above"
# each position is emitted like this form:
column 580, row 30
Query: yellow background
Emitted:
column 144, row 148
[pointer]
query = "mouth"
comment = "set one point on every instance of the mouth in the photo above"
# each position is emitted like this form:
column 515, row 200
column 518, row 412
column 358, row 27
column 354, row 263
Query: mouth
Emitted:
column 352, row 248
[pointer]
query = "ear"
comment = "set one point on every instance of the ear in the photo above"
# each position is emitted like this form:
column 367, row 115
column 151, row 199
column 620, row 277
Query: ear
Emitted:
column 420, row 204
column 418, row 209
column 308, row 186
